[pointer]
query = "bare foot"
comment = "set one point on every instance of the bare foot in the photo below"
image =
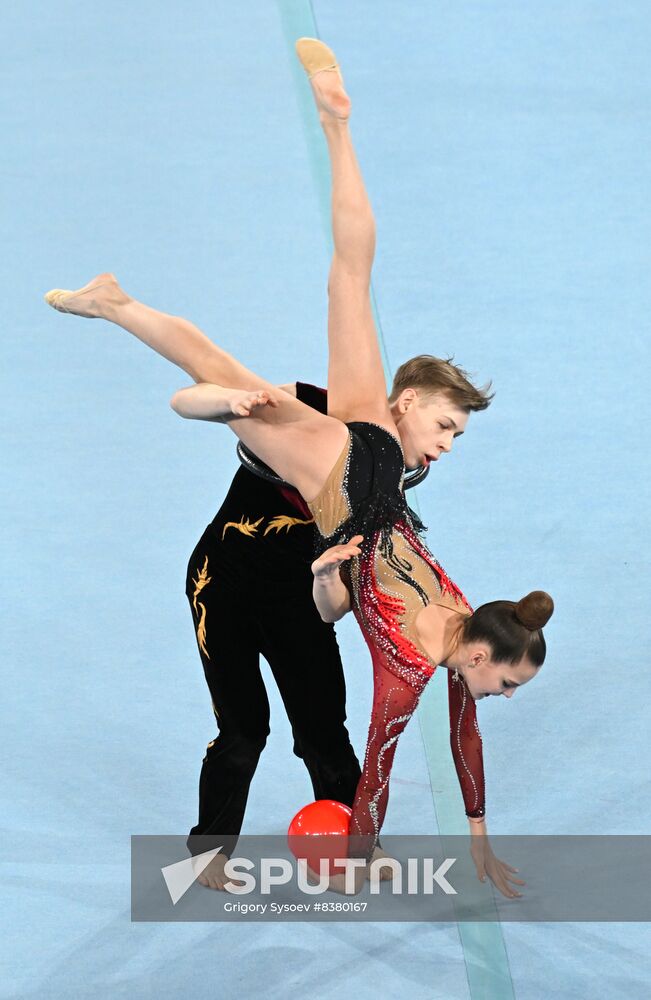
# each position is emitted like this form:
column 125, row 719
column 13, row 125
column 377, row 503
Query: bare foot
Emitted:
column 213, row 875
column 386, row 874
column 333, row 102
column 337, row 883
column 92, row 301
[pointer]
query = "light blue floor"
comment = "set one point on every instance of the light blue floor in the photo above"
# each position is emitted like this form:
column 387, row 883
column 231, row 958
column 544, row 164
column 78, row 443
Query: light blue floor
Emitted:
column 505, row 148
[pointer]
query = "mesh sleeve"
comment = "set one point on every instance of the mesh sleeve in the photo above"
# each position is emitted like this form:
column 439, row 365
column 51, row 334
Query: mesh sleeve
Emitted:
column 465, row 741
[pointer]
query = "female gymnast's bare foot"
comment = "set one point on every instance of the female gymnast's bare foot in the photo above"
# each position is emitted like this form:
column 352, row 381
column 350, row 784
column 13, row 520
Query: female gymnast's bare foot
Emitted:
column 386, row 874
column 338, row 884
column 94, row 300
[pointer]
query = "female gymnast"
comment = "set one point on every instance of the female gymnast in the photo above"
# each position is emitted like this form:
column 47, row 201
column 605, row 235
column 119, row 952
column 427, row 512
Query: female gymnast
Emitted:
column 351, row 463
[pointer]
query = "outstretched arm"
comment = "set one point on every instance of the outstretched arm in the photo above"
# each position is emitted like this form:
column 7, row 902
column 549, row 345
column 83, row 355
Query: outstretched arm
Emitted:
column 465, row 740
column 466, row 746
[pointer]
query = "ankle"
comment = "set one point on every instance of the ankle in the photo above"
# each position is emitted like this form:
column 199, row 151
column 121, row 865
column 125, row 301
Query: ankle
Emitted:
column 112, row 307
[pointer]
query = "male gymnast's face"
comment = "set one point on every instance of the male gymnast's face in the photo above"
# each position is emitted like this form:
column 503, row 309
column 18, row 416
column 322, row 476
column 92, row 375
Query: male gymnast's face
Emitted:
column 485, row 676
column 427, row 425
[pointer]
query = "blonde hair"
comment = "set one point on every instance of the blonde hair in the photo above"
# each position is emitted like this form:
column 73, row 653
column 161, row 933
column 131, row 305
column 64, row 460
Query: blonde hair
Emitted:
column 431, row 375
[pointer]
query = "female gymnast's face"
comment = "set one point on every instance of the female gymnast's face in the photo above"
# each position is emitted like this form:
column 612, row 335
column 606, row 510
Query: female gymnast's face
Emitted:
column 427, row 425
column 485, row 676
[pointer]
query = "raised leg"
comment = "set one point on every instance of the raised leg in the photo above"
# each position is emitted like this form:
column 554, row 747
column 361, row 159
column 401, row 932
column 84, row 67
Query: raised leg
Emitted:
column 173, row 337
column 299, row 443
column 352, row 338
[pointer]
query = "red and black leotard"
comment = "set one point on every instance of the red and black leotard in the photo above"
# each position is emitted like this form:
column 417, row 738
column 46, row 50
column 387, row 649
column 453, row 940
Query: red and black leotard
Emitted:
column 392, row 580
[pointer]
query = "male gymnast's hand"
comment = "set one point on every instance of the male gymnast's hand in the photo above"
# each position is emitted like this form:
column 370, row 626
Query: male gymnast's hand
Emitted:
column 209, row 401
column 243, row 403
column 329, row 561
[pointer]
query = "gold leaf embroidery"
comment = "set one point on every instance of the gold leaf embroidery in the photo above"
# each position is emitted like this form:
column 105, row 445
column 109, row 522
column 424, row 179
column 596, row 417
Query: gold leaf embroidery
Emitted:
column 284, row 521
column 202, row 580
column 244, row 526
column 201, row 631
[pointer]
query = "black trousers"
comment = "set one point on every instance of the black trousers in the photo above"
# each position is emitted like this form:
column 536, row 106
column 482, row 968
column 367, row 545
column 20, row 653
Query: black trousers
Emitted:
column 236, row 622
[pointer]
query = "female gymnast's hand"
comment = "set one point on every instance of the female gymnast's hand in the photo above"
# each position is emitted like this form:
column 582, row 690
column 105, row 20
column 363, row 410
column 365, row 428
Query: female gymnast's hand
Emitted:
column 329, row 561
column 500, row 874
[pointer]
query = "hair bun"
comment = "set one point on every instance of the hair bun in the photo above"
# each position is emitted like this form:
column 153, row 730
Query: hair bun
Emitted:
column 534, row 610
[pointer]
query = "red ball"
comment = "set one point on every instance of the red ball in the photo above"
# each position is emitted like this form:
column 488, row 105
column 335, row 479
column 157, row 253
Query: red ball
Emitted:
column 319, row 831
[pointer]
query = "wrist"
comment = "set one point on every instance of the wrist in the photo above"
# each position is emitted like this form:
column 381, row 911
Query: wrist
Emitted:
column 330, row 596
column 327, row 577
column 477, row 825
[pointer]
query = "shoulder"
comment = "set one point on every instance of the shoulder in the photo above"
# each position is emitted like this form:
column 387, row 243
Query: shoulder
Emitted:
column 378, row 437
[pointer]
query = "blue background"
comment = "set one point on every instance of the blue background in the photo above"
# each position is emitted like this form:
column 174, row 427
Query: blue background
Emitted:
column 505, row 149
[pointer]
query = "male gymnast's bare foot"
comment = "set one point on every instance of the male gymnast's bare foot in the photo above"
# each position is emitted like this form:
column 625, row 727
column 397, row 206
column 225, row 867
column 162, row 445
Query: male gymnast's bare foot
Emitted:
column 213, row 875
column 94, row 300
